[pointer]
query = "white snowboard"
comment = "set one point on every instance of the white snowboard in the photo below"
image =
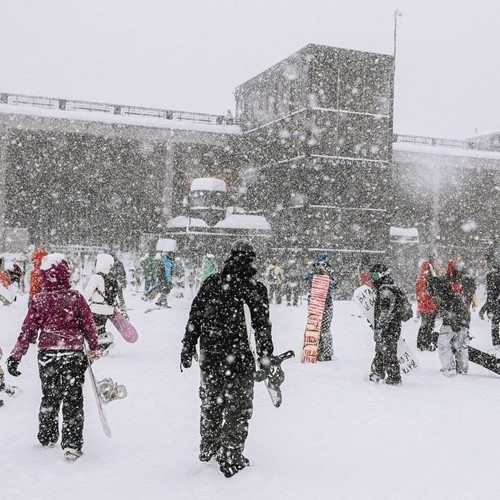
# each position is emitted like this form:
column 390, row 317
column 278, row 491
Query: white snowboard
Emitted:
column 365, row 299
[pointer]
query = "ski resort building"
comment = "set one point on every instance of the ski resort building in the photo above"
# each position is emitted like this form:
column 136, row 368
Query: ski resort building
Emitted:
column 309, row 163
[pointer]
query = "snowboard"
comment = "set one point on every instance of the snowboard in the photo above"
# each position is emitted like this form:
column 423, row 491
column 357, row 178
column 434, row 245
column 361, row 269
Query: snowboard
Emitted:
column 276, row 377
column 276, row 374
column 484, row 359
column 315, row 310
column 124, row 327
column 364, row 297
column 102, row 416
column 6, row 296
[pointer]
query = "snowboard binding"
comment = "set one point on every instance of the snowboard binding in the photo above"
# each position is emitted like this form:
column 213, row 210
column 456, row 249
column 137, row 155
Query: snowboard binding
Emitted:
column 109, row 390
column 276, row 376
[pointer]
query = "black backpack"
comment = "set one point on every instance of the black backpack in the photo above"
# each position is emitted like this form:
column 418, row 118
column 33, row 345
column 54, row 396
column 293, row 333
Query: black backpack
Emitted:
column 110, row 289
column 403, row 311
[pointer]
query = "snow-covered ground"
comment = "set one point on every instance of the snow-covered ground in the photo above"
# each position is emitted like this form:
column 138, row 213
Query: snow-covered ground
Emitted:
column 335, row 436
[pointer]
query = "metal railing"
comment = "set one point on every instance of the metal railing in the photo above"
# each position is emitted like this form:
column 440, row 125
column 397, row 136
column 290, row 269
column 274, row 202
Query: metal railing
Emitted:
column 439, row 142
column 116, row 109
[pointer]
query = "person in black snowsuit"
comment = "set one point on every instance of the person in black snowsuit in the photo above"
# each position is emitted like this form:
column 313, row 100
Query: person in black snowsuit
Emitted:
column 492, row 305
column 227, row 364
column 453, row 294
column 120, row 275
column 386, row 327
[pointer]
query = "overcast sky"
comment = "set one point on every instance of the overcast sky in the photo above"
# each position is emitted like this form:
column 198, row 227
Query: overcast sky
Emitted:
column 191, row 54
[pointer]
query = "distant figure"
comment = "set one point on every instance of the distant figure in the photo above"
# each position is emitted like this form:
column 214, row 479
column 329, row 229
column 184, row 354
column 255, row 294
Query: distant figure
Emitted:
column 426, row 337
column 35, row 281
column 101, row 291
column 492, row 305
column 118, row 272
column 322, row 266
column 166, row 278
column 276, row 279
column 208, row 266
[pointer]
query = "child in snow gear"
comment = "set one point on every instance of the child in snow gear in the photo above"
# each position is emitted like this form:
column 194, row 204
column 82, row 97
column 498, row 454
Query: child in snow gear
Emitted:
column 217, row 320
column 453, row 294
column 492, row 305
column 387, row 326
column 101, row 291
column 322, row 266
column 63, row 320
column 426, row 337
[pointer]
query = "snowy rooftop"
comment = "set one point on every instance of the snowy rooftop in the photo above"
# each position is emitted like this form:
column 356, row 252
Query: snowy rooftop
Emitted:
column 240, row 221
column 208, row 184
column 128, row 115
column 445, row 150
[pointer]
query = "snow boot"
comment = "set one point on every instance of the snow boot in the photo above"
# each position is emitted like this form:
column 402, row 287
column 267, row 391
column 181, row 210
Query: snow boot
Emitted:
column 231, row 466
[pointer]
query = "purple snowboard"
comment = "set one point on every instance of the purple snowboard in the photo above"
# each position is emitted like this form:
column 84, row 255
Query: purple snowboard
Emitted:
column 124, row 327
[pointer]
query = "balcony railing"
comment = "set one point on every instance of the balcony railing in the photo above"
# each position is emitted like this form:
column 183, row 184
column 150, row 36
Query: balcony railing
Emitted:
column 116, row 109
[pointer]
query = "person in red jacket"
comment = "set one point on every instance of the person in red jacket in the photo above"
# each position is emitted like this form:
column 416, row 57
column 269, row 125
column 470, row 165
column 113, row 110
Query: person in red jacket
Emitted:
column 63, row 320
column 35, row 282
column 426, row 337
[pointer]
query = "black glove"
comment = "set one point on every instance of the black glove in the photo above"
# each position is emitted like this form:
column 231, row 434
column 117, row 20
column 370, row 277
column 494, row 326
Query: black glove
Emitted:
column 187, row 355
column 12, row 365
column 264, row 364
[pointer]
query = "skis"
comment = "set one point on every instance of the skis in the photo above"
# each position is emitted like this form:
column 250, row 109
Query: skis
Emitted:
column 100, row 409
column 365, row 300
column 315, row 310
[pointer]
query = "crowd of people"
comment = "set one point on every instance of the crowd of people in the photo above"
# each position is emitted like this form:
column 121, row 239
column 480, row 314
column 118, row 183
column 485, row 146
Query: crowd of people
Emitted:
column 70, row 329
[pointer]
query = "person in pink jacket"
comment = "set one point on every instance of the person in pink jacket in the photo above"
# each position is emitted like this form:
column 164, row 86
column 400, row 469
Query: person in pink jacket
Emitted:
column 62, row 320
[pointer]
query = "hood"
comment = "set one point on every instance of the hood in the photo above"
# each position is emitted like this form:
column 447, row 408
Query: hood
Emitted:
column 103, row 263
column 425, row 267
column 37, row 256
column 55, row 272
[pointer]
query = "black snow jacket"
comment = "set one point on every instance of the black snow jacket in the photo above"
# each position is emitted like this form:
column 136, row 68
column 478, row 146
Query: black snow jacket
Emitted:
column 450, row 304
column 492, row 305
column 217, row 319
column 387, row 323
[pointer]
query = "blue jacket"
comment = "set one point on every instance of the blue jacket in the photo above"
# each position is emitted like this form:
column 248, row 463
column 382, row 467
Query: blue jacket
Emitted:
column 334, row 281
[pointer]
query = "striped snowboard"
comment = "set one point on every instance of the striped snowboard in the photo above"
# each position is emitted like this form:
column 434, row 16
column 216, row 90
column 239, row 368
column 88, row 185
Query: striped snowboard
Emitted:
column 315, row 309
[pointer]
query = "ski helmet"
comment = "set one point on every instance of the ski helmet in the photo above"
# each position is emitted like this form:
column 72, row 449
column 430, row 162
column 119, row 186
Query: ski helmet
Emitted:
column 242, row 247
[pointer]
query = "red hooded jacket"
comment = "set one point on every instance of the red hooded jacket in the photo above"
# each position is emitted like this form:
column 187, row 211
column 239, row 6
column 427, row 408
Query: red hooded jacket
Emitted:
column 35, row 282
column 425, row 302
column 60, row 315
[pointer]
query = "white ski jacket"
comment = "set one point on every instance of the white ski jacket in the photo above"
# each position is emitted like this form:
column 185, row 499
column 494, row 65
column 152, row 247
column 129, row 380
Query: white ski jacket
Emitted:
column 94, row 291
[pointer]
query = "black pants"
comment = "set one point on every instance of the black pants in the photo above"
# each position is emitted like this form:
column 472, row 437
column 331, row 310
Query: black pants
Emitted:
column 62, row 374
column 426, row 336
column 226, row 409
column 386, row 360
column 495, row 328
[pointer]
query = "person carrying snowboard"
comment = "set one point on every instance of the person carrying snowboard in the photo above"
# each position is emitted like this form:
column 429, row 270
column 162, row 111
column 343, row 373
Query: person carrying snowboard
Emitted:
column 322, row 266
column 62, row 319
column 386, row 327
column 101, row 291
column 217, row 321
